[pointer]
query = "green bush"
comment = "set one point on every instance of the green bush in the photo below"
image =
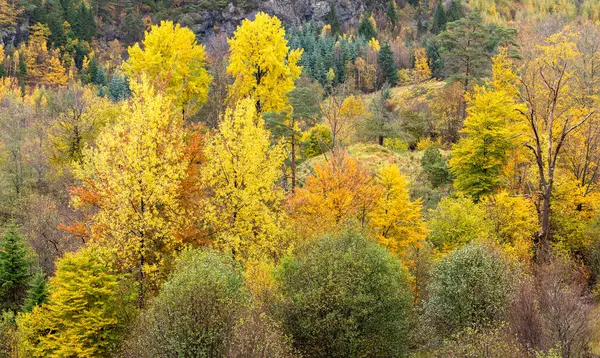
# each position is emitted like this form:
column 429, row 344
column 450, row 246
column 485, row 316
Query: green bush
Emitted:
column 195, row 313
column 469, row 288
column 345, row 296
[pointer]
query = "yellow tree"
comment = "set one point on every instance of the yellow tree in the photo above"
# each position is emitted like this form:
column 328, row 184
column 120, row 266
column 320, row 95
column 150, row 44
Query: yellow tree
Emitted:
column 9, row 12
column 79, row 114
column 341, row 114
column 174, row 63
column 557, row 105
column 55, row 73
column 80, row 318
column 262, row 64
column 242, row 171
column 422, row 70
column 36, row 52
column 133, row 177
column 339, row 191
column 492, row 127
column 396, row 220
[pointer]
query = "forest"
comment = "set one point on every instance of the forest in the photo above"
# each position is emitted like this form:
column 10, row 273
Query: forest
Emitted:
column 389, row 178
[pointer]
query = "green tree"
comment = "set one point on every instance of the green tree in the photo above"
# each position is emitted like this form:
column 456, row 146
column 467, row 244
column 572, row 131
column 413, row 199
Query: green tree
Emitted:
column 196, row 312
column 382, row 121
column 118, row 87
column 389, row 68
column 333, row 20
column 367, row 28
column 392, row 13
column 37, row 293
column 435, row 166
column 305, row 100
column 345, row 296
column 438, row 24
column 470, row 287
column 455, row 12
column 468, row 46
column 14, row 270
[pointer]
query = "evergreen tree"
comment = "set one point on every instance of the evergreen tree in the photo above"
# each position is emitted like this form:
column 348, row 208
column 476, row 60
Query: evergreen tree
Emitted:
column 37, row 293
column 455, row 12
column 14, row 270
column 100, row 76
column 435, row 166
column 22, row 66
column 118, row 88
column 438, row 23
column 366, row 27
column 436, row 63
column 382, row 123
column 392, row 13
column 467, row 50
column 333, row 21
column 387, row 63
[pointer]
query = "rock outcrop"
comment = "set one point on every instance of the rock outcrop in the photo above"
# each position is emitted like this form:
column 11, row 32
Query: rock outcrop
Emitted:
column 292, row 12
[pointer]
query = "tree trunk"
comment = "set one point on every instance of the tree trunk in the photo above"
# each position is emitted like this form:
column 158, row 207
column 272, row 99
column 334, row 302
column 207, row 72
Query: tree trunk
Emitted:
column 293, row 164
column 142, row 275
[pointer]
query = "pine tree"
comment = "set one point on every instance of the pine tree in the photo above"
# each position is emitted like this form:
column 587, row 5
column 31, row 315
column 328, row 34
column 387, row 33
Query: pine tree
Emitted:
column 467, row 52
column 436, row 63
column 37, row 293
column 14, row 270
column 387, row 63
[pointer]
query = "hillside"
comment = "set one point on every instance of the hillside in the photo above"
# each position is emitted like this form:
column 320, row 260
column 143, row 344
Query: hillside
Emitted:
column 300, row 178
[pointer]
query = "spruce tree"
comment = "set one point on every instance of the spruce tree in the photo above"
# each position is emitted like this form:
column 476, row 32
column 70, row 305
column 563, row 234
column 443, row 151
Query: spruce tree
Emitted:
column 366, row 28
column 387, row 64
column 438, row 23
column 37, row 293
column 392, row 14
column 333, row 21
column 436, row 63
column 14, row 270
column 455, row 12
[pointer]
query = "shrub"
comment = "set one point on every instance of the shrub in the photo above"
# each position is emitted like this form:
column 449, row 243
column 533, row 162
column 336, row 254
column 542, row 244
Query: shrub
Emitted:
column 345, row 296
column 195, row 313
column 496, row 342
column 553, row 310
column 469, row 288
